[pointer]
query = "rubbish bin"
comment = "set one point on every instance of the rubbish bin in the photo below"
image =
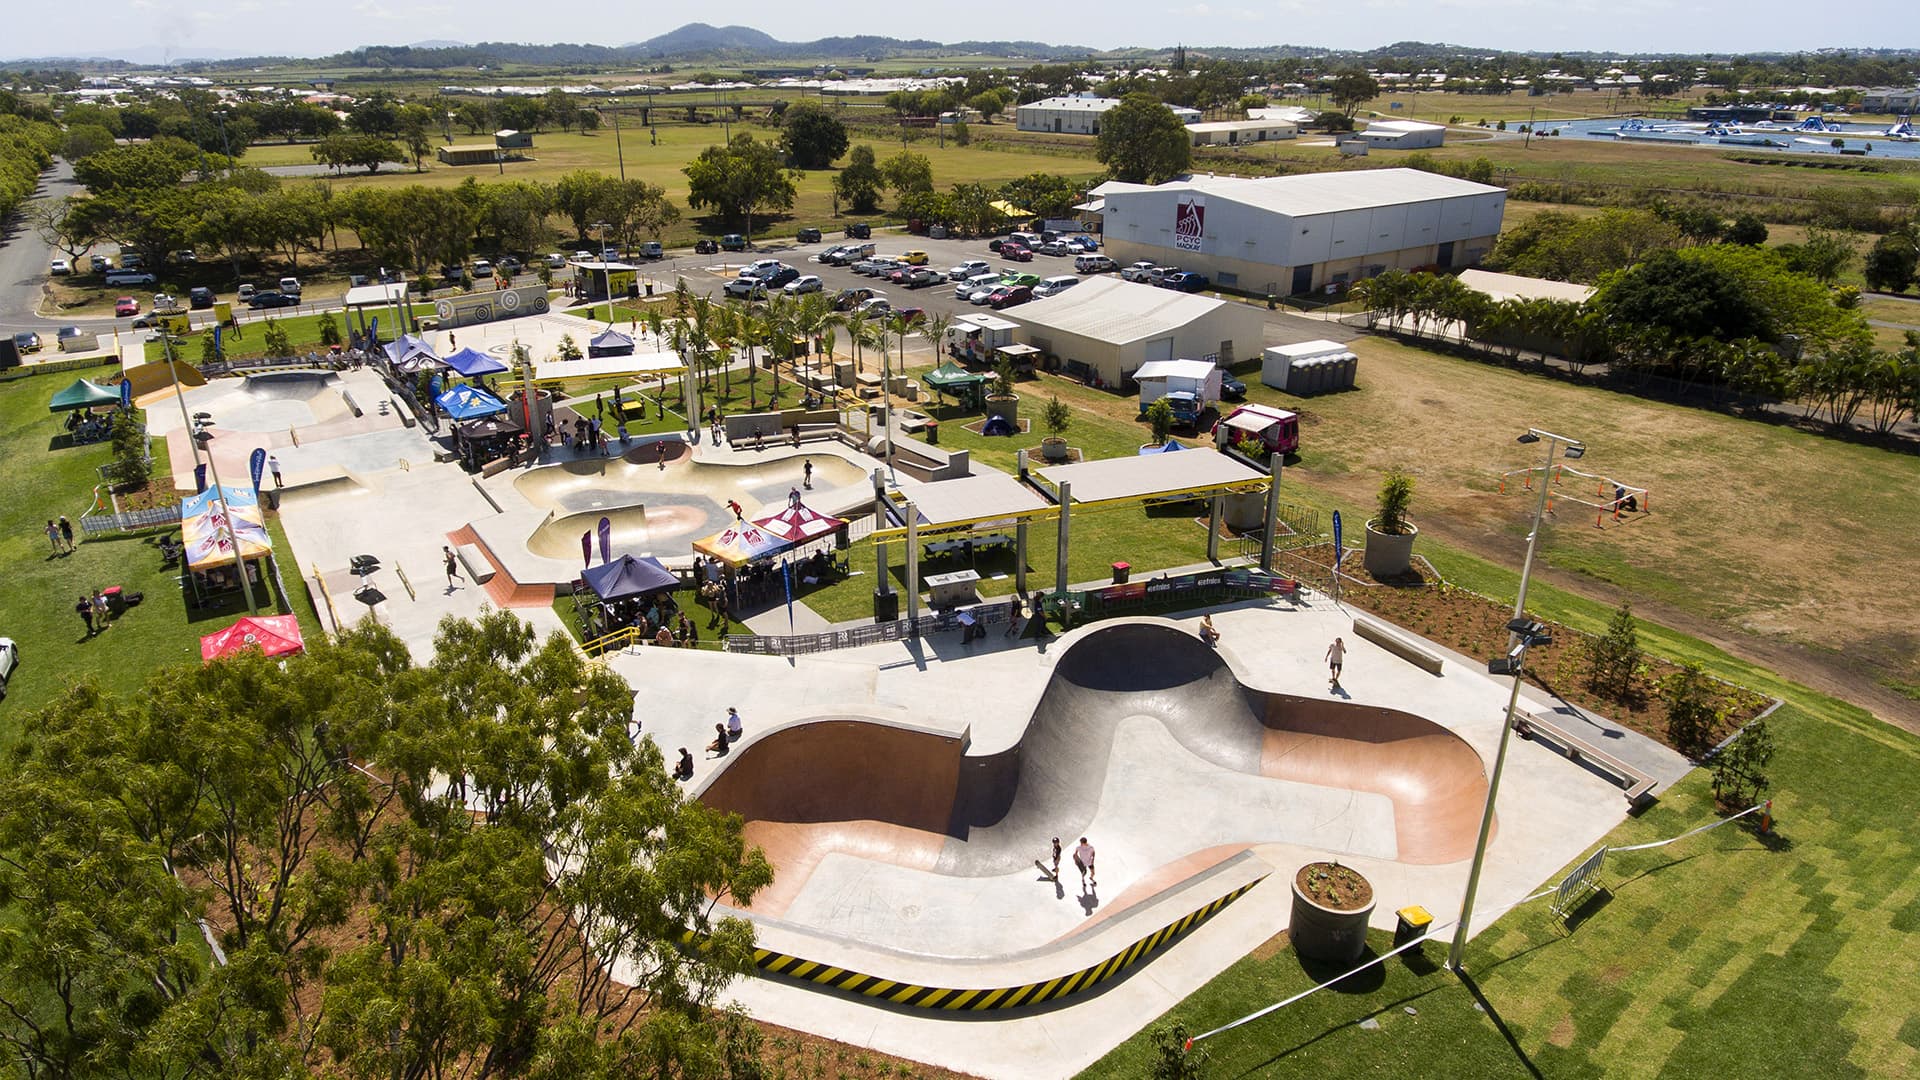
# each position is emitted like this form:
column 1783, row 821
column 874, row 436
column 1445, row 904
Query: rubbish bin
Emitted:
column 933, row 432
column 1120, row 572
column 1413, row 921
column 886, row 605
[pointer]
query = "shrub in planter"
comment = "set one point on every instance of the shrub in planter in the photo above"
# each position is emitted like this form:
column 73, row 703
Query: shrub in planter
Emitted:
column 1160, row 420
column 1390, row 535
column 1056, row 418
column 1003, row 401
column 1331, row 907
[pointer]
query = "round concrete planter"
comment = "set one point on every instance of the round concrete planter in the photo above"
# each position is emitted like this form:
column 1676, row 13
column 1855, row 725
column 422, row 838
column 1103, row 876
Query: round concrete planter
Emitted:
column 1008, row 407
column 1328, row 934
column 1390, row 554
column 1247, row 510
column 1053, row 449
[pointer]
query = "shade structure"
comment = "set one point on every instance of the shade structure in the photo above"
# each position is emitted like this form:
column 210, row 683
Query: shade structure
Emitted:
column 610, row 342
column 471, row 362
column 273, row 635
column 949, row 378
column 417, row 361
column 487, row 427
column 627, row 576
column 469, row 402
column 204, row 527
column 406, row 345
column 740, row 543
column 82, row 395
column 798, row 524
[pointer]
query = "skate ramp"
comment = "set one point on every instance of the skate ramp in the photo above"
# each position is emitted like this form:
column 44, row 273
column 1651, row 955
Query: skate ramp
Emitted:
column 1124, row 704
column 634, row 478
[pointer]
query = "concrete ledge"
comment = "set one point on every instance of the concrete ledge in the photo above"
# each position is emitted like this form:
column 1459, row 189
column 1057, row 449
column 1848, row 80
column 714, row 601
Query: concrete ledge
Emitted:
column 1379, row 634
column 1636, row 785
column 479, row 569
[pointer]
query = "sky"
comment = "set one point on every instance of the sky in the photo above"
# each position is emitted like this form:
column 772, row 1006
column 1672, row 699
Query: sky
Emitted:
column 144, row 29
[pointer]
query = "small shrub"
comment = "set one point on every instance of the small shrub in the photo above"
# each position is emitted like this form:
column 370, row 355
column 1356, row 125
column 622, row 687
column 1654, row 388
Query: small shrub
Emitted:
column 1691, row 715
column 329, row 330
column 1003, row 376
column 1250, row 446
column 1613, row 658
column 1396, row 496
column 274, row 338
column 1172, row 1059
column 567, row 350
column 1739, row 773
column 1057, row 417
column 1160, row 420
column 130, row 466
column 209, row 348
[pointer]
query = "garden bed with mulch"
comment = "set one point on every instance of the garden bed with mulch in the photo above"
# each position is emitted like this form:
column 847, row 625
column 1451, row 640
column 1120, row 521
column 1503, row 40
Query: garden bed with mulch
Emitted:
column 1331, row 885
column 1476, row 626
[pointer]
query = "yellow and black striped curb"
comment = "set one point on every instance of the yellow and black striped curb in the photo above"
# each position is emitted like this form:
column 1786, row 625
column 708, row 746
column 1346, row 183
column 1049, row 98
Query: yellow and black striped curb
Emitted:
column 1006, row 997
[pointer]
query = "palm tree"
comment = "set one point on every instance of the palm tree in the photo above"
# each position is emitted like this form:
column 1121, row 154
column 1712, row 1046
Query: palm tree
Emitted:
column 934, row 326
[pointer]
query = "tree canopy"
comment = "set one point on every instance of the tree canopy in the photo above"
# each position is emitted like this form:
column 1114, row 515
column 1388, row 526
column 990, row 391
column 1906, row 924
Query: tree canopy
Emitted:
column 1141, row 141
column 814, row 137
column 858, row 183
column 739, row 178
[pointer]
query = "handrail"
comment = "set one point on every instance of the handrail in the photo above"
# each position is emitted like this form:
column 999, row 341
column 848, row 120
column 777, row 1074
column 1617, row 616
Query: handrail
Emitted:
column 621, row 638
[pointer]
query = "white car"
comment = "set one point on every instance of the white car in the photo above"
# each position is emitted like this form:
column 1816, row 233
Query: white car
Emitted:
column 968, row 269
column 980, row 296
column 805, row 283
column 556, row 261
column 878, row 305
column 60, row 266
column 1136, row 271
column 9, row 659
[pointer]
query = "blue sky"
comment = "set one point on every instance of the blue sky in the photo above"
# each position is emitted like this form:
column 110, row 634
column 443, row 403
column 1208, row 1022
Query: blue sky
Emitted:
column 306, row 27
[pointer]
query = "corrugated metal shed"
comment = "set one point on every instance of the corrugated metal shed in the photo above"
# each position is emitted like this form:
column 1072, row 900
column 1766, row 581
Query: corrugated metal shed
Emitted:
column 1114, row 311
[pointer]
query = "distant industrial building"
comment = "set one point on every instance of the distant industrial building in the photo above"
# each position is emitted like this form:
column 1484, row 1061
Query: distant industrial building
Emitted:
column 505, row 146
column 1078, row 115
column 509, row 139
column 1297, row 234
column 1402, row 135
column 1240, row 132
column 1104, row 328
column 1887, row 99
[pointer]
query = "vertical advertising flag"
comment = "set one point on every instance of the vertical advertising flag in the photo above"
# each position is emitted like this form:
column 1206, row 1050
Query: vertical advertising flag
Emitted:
column 199, row 478
column 1337, row 549
column 217, row 331
column 606, row 539
column 126, row 393
column 786, row 576
column 256, row 465
column 586, row 549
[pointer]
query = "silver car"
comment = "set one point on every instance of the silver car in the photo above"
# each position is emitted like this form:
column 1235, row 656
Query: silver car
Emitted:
column 9, row 659
column 805, row 283
column 968, row 269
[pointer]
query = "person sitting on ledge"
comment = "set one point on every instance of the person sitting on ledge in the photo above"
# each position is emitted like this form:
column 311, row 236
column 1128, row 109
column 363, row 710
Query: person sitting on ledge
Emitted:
column 1207, row 633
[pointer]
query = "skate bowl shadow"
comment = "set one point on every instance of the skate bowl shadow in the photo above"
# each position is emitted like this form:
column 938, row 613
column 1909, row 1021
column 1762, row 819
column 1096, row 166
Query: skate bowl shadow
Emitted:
column 878, row 790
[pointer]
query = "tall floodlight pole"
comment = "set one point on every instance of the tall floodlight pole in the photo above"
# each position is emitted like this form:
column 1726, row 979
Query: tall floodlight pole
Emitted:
column 1517, row 641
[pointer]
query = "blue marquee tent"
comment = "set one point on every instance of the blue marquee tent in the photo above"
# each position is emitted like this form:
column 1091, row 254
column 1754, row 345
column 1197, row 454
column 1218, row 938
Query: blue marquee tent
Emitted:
column 610, row 342
column 472, row 363
column 466, row 403
column 627, row 576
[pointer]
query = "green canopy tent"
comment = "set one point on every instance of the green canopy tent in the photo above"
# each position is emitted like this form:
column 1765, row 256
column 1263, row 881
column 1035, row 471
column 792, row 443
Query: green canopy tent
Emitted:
column 966, row 387
column 82, row 395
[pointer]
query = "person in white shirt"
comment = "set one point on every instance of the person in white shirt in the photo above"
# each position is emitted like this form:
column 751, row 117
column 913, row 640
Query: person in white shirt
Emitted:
column 1083, row 860
column 734, row 725
column 1336, row 655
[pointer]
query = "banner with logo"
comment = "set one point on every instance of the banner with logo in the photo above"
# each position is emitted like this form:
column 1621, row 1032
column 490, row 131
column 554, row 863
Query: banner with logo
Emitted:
column 485, row 307
column 126, row 393
column 1189, row 222
column 606, row 539
column 257, row 464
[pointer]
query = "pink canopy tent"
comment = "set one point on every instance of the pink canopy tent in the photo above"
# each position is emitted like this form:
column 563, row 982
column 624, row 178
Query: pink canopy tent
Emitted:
column 740, row 543
column 273, row 635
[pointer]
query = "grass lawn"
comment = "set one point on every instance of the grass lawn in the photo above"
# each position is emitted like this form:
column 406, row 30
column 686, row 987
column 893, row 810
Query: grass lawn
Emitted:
column 1727, row 955
column 46, row 479
column 303, row 334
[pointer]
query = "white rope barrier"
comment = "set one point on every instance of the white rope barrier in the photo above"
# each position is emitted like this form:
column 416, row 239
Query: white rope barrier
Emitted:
column 1765, row 807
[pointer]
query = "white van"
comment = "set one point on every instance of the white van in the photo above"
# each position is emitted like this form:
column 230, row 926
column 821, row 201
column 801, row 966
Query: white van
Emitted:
column 1054, row 286
column 290, row 286
column 1094, row 264
column 974, row 284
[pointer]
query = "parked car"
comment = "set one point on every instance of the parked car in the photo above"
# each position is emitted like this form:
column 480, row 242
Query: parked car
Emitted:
column 583, row 256
column 1184, row 281
column 807, row 236
column 912, row 316
column 269, row 298
column 1160, row 273
column 26, row 341
column 916, row 257
column 1016, row 253
column 859, row 230
column 126, row 306
column 1232, row 389
column 848, row 299
column 200, row 298
column 1093, row 264
column 291, row 285
column 1084, row 242
column 805, row 283
column 920, row 277
column 875, row 306
column 760, row 268
column 779, row 276
column 555, row 260
column 898, row 275
column 1015, row 278
column 1009, row 296
column 132, row 260
column 509, row 266
column 967, row 269
column 1056, row 248
column 607, row 254
column 124, row 276
column 848, row 254
column 9, row 660
column 652, row 250
column 186, row 257
column 246, row 293
column 100, row 264
column 733, row 241
column 59, row 267
column 1054, row 286
column 975, row 283
column 746, row 288
column 66, row 332
column 166, row 303
column 705, row 247
column 984, row 294
column 1135, row 271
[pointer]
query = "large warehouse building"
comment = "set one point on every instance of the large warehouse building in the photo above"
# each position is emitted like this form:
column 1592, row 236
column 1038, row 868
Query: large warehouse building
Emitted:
column 1077, row 115
column 1105, row 328
column 1296, row 234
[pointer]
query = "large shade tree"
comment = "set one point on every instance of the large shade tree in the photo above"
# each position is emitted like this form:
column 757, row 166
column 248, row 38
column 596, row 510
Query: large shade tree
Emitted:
column 738, row 179
column 1141, row 141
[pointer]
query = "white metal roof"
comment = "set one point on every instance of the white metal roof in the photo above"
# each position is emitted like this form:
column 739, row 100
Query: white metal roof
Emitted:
column 985, row 322
column 1318, row 193
column 1115, row 311
column 1515, row 287
column 1173, row 369
column 1148, row 476
column 1242, row 125
column 1402, row 127
column 370, row 295
column 600, row 367
column 972, row 498
column 1302, row 350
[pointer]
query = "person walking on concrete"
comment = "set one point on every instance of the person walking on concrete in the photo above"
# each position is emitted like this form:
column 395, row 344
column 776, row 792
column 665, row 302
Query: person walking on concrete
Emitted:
column 1056, row 858
column 1336, row 655
column 85, row 610
column 735, row 726
column 273, row 466
column 1083, row 860
column 453, row 566
column 66, row 532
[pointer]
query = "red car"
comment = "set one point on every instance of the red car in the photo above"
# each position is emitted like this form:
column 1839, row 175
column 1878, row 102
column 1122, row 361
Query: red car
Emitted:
column 912, row 315
column 126, row 305
column 1009, row 295
column 1015, row 253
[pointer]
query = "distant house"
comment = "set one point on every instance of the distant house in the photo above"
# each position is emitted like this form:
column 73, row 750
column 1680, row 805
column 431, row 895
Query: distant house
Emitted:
column 1238, row 132
column 1077, row 115
column 509, row 139
column 468, row 154
column 1402, row 135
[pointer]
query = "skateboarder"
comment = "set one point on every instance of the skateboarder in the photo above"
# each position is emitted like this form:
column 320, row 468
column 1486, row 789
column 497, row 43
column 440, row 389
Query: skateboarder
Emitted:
column 806, row 474
column 453, row 566
column 1083, row 860
column 1056, row 858
column 1207, row 633
column 1336, row 655
column 273, row 466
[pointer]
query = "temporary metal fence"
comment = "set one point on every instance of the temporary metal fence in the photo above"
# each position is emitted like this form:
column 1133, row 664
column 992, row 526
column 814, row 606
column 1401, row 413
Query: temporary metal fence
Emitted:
column 854, row 637
column 129, row 520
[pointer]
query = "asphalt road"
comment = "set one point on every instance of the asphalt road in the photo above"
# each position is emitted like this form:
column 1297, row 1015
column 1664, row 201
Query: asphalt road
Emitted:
column 23, row 261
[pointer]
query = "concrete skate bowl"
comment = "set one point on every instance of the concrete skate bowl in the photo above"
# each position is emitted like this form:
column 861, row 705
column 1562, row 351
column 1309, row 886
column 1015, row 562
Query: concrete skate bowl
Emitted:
column 653, row 508
column 1134, row 714
column 278, row 400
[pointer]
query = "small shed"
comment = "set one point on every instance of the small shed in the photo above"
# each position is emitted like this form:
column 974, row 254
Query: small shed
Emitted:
column 509, row 139
column 1309, row 367
column 1158, row 378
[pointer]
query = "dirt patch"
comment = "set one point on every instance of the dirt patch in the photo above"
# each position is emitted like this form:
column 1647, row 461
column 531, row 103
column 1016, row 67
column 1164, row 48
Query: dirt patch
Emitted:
column 1273, row 946
column 1562, row 1033
column 1331, row 885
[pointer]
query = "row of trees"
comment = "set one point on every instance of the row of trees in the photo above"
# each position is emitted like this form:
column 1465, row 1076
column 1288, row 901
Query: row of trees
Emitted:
column 405, row 871
column 26, row 149
column 1722, row 316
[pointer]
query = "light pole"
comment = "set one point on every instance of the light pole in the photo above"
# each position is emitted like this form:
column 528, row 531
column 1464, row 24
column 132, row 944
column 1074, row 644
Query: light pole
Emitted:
column 220, row 116
column 1521, row 633
column 618, row 150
